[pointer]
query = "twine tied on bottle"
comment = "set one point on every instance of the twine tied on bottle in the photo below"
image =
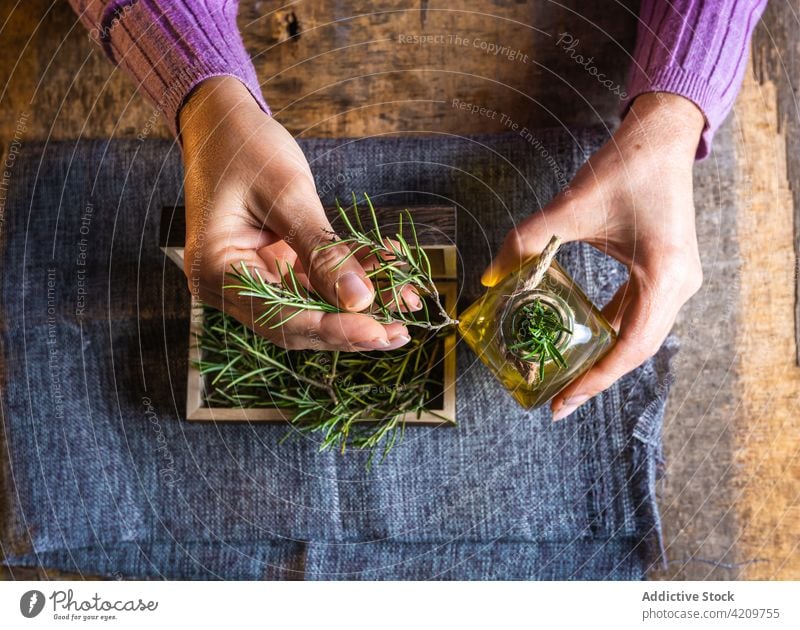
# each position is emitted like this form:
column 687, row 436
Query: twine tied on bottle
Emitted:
column 529, row 370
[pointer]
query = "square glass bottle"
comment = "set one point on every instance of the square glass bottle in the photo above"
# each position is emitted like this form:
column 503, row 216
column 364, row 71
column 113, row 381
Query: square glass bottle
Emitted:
column 498, row 326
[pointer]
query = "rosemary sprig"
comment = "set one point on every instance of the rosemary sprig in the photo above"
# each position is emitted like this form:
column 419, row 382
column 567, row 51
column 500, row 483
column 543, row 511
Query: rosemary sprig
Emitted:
column 537, row 332
column 350, row 400
column 398, row 263
column 275, row 297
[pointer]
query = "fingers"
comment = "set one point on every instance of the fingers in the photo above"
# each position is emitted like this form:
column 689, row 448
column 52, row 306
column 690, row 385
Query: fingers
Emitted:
column 408, row 298
column 308, row 329
column 278, row 257
column 353, row 331
column 644, row 314
column 626, row 355
column 615, row 309
column 531, row 236
column 348, row 332
column 332, row 268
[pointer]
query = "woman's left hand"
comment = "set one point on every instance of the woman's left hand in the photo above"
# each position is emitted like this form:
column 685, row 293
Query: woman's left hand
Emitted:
column 633, row 200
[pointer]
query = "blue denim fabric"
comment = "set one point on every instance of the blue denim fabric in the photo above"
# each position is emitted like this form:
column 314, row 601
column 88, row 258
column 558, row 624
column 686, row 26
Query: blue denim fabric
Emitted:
column 105, row 477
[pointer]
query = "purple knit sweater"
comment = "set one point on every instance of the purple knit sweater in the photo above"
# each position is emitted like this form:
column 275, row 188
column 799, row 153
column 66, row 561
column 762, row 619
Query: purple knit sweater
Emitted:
column 695, row 48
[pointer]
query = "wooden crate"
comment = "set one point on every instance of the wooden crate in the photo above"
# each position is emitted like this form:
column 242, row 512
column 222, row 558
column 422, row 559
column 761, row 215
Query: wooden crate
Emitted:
column 436, row 234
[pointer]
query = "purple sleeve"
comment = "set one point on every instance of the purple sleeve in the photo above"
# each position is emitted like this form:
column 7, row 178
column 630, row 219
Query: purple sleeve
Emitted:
column 697, row 49
column 170, row 46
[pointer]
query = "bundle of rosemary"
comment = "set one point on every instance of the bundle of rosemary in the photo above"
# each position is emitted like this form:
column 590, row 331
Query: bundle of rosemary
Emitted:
column 358, row 400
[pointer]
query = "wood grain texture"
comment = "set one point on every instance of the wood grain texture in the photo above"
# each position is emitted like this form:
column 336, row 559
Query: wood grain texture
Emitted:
column 767, row 455
column 731, row 494
column 360, row 69
column 354, row 69
column 51, row 70
column 776, row 60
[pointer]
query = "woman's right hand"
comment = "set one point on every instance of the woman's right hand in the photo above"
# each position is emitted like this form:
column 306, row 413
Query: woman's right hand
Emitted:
column 633, row 199
column 251, row 198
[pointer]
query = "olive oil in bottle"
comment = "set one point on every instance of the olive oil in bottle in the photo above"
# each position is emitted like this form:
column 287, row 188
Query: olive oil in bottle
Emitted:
column 536, row 340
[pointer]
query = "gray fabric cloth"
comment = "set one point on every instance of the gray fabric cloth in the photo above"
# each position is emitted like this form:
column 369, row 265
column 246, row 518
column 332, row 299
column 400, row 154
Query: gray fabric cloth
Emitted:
column 105, row 477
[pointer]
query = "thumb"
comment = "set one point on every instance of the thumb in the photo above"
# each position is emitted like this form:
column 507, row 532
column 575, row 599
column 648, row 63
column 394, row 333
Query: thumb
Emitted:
column 531, row 236
column 333, row 269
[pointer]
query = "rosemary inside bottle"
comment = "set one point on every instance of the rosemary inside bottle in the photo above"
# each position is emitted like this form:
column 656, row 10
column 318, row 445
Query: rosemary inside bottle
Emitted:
column 538, row 328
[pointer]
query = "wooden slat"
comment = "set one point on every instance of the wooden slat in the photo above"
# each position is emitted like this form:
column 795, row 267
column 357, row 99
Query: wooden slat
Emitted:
column 774, row 58
column 766, row 471
column 349, row 73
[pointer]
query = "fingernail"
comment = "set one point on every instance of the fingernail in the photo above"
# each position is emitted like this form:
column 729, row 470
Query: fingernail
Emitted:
column 396, row 342
column 413, row 301
column 352, row 292
column 488, row 276
column 375, row 344
column 568, row 406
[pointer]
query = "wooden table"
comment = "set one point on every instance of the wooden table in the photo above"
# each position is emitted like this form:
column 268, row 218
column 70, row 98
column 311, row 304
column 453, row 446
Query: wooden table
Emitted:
column 730, row 495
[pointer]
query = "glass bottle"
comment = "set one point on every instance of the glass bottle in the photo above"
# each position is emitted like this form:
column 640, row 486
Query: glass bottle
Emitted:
column 492, row 327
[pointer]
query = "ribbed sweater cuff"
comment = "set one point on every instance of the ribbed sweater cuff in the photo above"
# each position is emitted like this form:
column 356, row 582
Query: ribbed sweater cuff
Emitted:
column 676, row 80
column 170, row 47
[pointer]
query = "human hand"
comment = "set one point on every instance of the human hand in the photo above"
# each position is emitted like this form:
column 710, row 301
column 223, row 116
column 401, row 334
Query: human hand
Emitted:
column 251, row 198
column 632, row 200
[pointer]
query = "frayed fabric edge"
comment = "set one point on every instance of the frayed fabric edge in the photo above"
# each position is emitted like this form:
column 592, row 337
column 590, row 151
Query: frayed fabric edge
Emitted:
column 648, row 456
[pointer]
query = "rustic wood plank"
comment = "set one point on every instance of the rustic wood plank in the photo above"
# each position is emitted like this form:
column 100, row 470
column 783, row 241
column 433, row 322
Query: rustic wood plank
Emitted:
column 354, row 69
column 363, row 69
column 775, row 59
column 729, row 496
column 767, row 474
